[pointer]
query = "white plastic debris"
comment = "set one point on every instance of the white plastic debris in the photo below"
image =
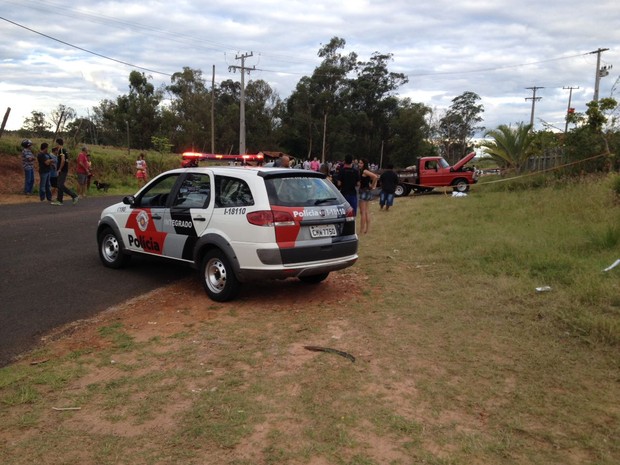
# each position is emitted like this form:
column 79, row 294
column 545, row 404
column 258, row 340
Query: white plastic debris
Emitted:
column 543, row 289
column 459, row 194
column 613, row 265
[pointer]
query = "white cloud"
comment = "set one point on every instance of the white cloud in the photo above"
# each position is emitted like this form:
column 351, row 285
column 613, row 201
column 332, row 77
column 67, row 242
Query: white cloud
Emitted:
column 495, row 48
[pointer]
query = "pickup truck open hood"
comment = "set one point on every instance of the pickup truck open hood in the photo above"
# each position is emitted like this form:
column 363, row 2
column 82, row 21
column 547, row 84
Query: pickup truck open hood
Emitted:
column 459, row 164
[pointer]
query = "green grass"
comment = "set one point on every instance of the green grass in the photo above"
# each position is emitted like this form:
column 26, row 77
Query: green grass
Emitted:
column 459, row 359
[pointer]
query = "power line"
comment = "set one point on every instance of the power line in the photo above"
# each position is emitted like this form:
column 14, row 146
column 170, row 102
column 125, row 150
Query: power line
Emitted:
column 85, row 50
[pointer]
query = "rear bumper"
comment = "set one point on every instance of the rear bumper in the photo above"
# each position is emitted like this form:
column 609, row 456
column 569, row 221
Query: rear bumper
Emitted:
column 295, row 271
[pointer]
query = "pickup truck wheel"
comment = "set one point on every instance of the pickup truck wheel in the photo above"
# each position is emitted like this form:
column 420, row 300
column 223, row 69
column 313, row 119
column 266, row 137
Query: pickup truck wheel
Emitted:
column 218, row 277
column 401, row 190
column 460, row 185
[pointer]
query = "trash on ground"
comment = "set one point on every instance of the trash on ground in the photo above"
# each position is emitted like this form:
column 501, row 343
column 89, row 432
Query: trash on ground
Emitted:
column 613, row 265
column 331, row 351
column 543, row 289
column 459, row 194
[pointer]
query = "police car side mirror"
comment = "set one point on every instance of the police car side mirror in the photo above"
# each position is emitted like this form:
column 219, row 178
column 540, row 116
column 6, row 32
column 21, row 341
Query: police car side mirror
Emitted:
column 129, row 200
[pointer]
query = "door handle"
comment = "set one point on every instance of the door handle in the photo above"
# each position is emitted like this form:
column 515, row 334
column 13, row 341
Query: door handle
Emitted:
column 156, row 217
column 200, row 218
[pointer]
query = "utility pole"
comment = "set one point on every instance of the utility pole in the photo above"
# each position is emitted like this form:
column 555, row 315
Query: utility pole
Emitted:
column 242, row 100
column 324, row 137
column 213, row 110
column 568, row 109
column 534, row 99
column 600, row 72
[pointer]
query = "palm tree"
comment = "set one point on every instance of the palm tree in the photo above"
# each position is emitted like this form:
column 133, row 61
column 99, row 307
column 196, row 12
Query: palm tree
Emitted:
column 510, row 145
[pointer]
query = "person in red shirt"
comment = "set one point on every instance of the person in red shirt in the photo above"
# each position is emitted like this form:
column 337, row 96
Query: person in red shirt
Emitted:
column 83, row 172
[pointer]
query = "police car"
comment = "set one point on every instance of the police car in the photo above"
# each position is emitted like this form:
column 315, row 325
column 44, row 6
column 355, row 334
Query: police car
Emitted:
column 234, row 224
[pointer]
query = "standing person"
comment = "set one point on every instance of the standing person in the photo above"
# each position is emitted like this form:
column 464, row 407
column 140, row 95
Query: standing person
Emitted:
column 141, row 170
column 389, row 181
column 54, row 172
column 28, row 165
column 368, row 182
column 283, row 162
column 90, row 170
column 315, row 165
column 45, row 166
column 83, row 172
column 63, row 171
column 348, row 182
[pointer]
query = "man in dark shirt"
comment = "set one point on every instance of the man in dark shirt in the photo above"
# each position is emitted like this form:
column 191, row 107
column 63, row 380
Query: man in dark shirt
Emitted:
column 348, row 182
column 45, row 166
column 388, row 181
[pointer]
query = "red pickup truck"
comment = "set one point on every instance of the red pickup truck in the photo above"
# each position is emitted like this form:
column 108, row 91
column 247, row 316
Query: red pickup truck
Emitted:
column 431, row 172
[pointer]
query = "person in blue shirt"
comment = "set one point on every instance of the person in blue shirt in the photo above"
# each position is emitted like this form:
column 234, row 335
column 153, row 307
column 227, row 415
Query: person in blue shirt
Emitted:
column 45, row 167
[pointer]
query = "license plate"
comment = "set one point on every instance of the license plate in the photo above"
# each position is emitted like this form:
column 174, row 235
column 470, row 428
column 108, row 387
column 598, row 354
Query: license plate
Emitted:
column 323, row 230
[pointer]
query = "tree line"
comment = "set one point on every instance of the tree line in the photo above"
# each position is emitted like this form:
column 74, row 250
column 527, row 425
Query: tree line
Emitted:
column 346, row 106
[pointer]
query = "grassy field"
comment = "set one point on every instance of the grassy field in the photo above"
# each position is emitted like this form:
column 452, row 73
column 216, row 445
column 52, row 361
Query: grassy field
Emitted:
column 459, row 359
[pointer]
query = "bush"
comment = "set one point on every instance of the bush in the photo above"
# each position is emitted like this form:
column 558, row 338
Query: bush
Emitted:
column 615, row 185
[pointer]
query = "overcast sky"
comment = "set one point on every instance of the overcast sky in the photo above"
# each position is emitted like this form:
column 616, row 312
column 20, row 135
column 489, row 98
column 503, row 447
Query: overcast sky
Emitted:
column 495, row 48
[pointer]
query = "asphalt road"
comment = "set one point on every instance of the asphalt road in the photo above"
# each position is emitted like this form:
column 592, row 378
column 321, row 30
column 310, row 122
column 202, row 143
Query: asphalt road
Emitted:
column 50, row 273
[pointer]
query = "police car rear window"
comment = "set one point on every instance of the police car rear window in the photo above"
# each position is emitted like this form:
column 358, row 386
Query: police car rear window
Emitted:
column 302, row 192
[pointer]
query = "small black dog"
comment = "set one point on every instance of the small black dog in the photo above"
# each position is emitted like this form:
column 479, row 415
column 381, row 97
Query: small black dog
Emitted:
column 102, row 186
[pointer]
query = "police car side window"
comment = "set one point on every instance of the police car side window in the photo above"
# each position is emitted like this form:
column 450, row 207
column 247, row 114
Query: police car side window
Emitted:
column 232, row 192
column 195, row 192
column 157, row 194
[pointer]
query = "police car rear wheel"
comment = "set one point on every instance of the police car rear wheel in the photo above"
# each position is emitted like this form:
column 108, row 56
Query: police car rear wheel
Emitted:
column 111, row 250
column 219, row 279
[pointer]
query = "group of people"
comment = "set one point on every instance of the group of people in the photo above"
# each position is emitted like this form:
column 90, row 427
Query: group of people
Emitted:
column 53, row 171
column 356, row 181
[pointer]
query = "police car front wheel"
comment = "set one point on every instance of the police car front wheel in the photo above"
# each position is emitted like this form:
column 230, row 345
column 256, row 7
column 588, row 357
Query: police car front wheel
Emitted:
column 111, row 251
column 218, row 277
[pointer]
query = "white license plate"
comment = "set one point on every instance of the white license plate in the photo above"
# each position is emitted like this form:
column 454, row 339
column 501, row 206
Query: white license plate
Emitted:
column 323, row 230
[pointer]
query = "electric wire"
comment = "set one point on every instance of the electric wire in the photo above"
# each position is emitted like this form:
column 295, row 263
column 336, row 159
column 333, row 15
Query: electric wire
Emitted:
column 85, row 50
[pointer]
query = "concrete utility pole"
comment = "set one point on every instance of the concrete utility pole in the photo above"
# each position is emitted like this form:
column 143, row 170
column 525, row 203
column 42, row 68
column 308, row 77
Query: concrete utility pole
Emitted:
column 242, row 100
column 600, row 72
column 213, row 110
column 534, row 99
column 568, row 109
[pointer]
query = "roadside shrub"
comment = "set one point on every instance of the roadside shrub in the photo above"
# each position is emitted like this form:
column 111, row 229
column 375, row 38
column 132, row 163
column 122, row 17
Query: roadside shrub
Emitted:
column 615, row 186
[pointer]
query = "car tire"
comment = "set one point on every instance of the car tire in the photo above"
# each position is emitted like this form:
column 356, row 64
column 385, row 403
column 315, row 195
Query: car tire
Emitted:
column 218, row 276
column 111, row 250
column 314, row 279
column 460, row 185
column 401, row 190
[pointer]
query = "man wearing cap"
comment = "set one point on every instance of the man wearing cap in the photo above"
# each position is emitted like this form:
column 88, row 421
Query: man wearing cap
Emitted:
column 28, row 164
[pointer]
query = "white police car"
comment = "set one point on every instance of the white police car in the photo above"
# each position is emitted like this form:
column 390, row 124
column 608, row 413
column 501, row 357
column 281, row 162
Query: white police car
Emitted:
column 234, row 224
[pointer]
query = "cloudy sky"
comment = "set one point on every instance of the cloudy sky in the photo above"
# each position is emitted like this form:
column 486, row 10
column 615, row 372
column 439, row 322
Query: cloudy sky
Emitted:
column 78, row 53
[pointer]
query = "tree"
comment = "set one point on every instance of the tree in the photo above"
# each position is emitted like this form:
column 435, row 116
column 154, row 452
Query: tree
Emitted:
column 409, row 133
column 61, row 116
column 261, row 109
column 510, row 145
column 140, row 107
column 329, row 86
column 189, row 119
column 37, row 124
column 594, row 142
column 371, row 102
column 459, row 125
